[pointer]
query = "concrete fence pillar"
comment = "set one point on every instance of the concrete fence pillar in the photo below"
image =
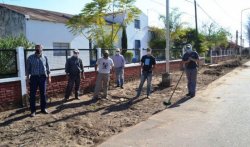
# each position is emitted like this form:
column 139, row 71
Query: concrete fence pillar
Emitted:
column 21, row 69
column 99, row 53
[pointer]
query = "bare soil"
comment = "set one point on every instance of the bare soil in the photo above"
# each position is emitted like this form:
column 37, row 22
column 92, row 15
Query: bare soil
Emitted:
column 88, row 123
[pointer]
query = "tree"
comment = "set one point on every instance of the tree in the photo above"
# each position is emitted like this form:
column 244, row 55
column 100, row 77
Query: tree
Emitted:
column 158, row 38
column 7, row 57
column 92, row 21
column 215, row 36
column 175, row 22
column 124, row 38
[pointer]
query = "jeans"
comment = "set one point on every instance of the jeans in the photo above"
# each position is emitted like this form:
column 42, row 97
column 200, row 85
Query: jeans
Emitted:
column 144, row 76
column 73, row 79
column 38, row 81
column 119, row 73
column 102, row 79
column 191, row 77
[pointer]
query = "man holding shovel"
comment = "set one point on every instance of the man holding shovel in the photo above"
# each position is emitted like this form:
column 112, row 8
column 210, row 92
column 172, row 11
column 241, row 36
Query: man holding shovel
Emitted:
column 190, row 60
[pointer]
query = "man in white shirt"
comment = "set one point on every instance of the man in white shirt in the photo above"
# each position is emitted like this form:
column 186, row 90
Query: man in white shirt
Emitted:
column 105, row 65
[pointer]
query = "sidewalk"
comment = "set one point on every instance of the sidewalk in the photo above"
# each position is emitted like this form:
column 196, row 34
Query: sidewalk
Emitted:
column 218, row 116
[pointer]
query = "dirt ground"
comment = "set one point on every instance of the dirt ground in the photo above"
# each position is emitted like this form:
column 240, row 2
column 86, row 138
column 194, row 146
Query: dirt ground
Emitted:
column 88, row 123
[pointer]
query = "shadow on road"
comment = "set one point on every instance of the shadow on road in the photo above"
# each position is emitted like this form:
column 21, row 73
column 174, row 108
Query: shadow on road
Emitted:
column 182, row 100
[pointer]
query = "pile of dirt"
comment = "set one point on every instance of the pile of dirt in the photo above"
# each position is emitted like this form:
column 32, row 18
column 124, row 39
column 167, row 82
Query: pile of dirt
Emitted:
column 219, row 69
column 216, row 72
column 231, row 63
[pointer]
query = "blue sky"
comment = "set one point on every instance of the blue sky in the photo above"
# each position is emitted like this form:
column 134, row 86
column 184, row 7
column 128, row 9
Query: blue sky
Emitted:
column 225, row 13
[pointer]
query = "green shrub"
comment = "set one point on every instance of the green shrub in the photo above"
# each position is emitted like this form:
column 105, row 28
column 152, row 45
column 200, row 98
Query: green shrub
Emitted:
column 14, row 42
column 128, row 56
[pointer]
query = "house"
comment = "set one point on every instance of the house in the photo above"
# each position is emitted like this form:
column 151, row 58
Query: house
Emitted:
column 137, row 31
column 41, row 27
column 48, row 28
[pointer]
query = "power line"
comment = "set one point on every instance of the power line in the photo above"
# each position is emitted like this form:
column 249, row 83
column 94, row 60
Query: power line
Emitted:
column 225, row 12
column 207, row 14
column 159, row 3
column 204, row 12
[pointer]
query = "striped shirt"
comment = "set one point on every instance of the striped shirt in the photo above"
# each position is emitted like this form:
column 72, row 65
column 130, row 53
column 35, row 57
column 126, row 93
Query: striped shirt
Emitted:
column 38, row 65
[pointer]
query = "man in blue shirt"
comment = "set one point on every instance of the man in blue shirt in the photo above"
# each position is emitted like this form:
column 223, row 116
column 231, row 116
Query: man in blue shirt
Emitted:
column 147, row 64
column 37, row 74
column 190, row 60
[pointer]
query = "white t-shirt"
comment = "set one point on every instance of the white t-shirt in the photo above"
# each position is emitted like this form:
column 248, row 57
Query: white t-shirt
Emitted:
column 104, row 65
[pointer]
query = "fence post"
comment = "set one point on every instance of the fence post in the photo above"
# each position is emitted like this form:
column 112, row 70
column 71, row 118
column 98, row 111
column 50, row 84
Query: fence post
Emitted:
column 211, row 56
column 21, row 69
column 99, row 53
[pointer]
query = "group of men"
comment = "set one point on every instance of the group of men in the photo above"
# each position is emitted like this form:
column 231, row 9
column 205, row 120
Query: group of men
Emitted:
column 38, row 74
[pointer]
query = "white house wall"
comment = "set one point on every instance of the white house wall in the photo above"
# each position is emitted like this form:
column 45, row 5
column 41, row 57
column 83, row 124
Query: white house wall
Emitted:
column 46, row 33
column 136, row 34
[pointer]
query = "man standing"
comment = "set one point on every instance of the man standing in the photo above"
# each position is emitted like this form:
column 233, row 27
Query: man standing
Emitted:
column 119, row 63
column 104, row 65
column 74, row 70
column 190, row 60
column 37, row 73
column 147, row 64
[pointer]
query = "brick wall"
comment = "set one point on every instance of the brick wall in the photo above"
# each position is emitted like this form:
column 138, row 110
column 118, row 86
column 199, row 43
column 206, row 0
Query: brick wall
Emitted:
column 10, row 93
column 218, row 59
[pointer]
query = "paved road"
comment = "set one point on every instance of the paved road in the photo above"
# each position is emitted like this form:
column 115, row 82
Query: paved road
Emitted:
column 217, row 117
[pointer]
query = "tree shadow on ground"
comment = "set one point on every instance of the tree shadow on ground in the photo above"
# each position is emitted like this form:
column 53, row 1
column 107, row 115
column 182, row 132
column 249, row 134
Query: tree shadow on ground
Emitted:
column 122, row 106
column 62, row 106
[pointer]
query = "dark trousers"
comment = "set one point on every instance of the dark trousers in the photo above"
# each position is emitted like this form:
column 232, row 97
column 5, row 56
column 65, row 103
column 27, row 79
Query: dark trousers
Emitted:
column 191, row 77
column 38, row 81
column 73, row 79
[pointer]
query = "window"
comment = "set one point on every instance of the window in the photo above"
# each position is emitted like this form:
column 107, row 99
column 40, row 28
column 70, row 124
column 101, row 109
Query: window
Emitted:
column 60, row 49
column 137, row 24
column 137, row 44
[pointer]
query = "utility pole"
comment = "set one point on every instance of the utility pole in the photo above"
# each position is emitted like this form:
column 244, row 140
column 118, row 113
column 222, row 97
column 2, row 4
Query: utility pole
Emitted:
column 196, row 27
column 166, row 77
column 167, row 37
column 241, row 37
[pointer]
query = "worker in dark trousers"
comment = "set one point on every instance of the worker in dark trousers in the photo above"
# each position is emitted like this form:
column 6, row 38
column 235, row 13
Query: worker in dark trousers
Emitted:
column 190, row 60
column 74, row 71
column 37, row 76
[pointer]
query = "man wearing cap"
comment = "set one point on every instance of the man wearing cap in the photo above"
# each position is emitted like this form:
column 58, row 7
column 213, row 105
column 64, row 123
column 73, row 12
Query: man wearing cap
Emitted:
column 119, row 64
column 74, row 71
column 190, row 60
column 147, row 64
column 105, row 65
column 37, row 75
